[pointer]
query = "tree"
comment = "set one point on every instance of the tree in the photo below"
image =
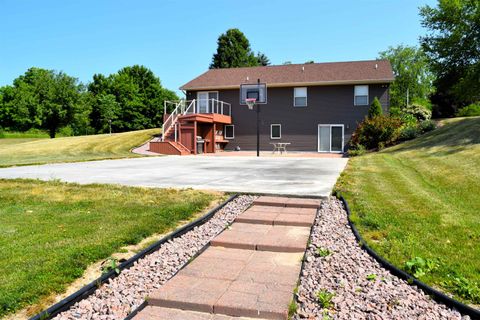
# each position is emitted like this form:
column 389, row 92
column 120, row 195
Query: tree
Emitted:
column 132, row 99
column 452, row 46
column 109, row 109
column 263, row 59
column 375, row 108
column 412, row 75
column 40, row 99
column 233, row 51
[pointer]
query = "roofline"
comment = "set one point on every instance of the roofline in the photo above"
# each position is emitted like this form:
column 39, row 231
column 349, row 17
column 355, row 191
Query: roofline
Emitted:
column 296, row 84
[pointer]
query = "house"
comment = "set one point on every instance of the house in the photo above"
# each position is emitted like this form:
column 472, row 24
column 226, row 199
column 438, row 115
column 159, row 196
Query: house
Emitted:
column 314, row 107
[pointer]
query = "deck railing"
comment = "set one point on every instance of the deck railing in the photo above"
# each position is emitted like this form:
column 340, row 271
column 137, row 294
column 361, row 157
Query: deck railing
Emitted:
column 184, row 107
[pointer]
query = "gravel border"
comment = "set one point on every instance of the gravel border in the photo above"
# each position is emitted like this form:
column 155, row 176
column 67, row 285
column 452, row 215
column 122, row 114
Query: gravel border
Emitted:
column 344, row 273
column 120, row 296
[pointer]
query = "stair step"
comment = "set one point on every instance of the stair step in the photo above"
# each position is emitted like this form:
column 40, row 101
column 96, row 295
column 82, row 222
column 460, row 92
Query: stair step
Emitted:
column 279, row 216
column 263, row 238
column 160, row 313
column 287, row 202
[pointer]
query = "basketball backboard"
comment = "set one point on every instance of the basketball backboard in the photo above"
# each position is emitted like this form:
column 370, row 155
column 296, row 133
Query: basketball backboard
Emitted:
column 256, row 91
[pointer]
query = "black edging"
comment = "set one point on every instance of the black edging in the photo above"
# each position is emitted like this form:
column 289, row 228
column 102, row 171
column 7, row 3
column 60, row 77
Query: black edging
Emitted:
column 87, row 290
column 435, row 294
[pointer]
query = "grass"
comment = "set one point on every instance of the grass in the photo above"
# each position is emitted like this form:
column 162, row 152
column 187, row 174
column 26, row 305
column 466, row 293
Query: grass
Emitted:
column 26, row 151
column 51, row 231
column 420, row 201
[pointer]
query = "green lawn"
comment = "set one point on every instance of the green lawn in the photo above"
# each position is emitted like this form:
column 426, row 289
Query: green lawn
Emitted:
column 422, row 199
column 81, row 148
column 51, row 231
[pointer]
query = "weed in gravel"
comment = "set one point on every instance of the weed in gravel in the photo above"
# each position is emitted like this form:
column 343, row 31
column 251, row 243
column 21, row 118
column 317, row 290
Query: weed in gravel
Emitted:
column 323, row 252
column 372, row 277
column 325, row 298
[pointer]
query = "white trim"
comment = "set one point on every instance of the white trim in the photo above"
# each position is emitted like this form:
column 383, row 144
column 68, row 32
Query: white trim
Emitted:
column 271, row 127
column 306, row 97
column 355, row 96
column 330, row 126
column 225, row 131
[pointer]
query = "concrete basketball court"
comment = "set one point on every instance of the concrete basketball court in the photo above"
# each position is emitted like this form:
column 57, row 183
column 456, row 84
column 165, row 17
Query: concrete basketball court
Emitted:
column 268, row 175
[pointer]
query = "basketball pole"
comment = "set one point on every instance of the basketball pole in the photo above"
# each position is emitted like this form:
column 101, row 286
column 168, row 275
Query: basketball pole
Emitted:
column 258, row 122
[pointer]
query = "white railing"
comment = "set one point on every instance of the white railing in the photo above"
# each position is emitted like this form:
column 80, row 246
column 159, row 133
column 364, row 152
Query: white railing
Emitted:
column 183, row 107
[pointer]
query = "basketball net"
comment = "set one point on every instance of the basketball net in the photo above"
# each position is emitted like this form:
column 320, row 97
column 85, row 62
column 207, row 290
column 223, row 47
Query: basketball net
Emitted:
column 250, row 103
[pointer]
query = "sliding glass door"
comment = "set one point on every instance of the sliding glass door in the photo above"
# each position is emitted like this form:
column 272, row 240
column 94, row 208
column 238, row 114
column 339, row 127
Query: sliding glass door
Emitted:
column 330, row 138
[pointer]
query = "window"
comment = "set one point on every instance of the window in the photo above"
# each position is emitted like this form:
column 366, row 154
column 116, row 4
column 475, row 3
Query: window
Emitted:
column 229, row 132
column 275, row 131
column 300, row 97
column 361, row 96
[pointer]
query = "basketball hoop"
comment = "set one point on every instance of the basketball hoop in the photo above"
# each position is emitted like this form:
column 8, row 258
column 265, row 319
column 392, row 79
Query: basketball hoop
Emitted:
column 250, row 103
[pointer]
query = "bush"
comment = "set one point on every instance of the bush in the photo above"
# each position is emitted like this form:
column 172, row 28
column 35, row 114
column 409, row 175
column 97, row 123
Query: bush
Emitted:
column 408, row 120
column 420, row 112
column 2, row 133
column 66, row 131
column 375, row 108
column 472, row 110
column 426, row 126
column 357, row 150
column 409, row 133
column 379, row 131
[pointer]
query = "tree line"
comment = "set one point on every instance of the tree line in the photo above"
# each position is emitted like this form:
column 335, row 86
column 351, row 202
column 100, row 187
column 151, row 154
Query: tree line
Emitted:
column 131, row 99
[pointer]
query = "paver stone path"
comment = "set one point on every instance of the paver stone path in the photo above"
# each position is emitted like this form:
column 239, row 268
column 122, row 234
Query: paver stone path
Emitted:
column 249, row 271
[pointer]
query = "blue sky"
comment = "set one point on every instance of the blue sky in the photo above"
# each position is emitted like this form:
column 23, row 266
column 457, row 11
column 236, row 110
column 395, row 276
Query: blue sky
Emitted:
column 176, row 39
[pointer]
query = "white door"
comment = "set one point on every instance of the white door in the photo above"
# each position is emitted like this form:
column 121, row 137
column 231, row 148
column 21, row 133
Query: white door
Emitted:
column 202, row 98
column 330, row 138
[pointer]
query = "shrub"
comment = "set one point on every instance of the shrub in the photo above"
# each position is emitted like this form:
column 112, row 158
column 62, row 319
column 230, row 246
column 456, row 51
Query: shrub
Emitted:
column 357, row 150
column 409, row 133
column 377, row 131
column 66, row 131
column 375, row 108
column 472, row 110
column 408, row 120
column 420, row 112
column 2, row 133
column 426, row 126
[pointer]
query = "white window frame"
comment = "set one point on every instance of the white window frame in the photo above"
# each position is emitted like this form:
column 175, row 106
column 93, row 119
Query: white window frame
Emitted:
column 355, row 95
column 225, row 131
column 330, row 143
column 208, row 99
column 295, row 96
column 271, row 131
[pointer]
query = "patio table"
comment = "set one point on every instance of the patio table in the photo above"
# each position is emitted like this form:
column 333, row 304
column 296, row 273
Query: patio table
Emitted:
column 281, row 147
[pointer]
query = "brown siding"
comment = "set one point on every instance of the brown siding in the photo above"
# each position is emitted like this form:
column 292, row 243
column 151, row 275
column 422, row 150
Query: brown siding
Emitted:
column 326, row 105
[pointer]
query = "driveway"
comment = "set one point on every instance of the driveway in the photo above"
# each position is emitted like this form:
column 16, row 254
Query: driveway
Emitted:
column 284, row 176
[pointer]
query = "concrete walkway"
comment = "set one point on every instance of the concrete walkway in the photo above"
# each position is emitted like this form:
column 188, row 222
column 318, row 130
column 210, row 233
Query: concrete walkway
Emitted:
column 286, row 176
column 250, row 270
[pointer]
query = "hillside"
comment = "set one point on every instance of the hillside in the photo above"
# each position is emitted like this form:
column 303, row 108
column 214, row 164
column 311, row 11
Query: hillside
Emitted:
column 82, row 148
column 421, row 199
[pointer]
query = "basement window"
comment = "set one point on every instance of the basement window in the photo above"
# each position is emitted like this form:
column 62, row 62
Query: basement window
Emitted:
column 275, row 131
column 229, row 131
